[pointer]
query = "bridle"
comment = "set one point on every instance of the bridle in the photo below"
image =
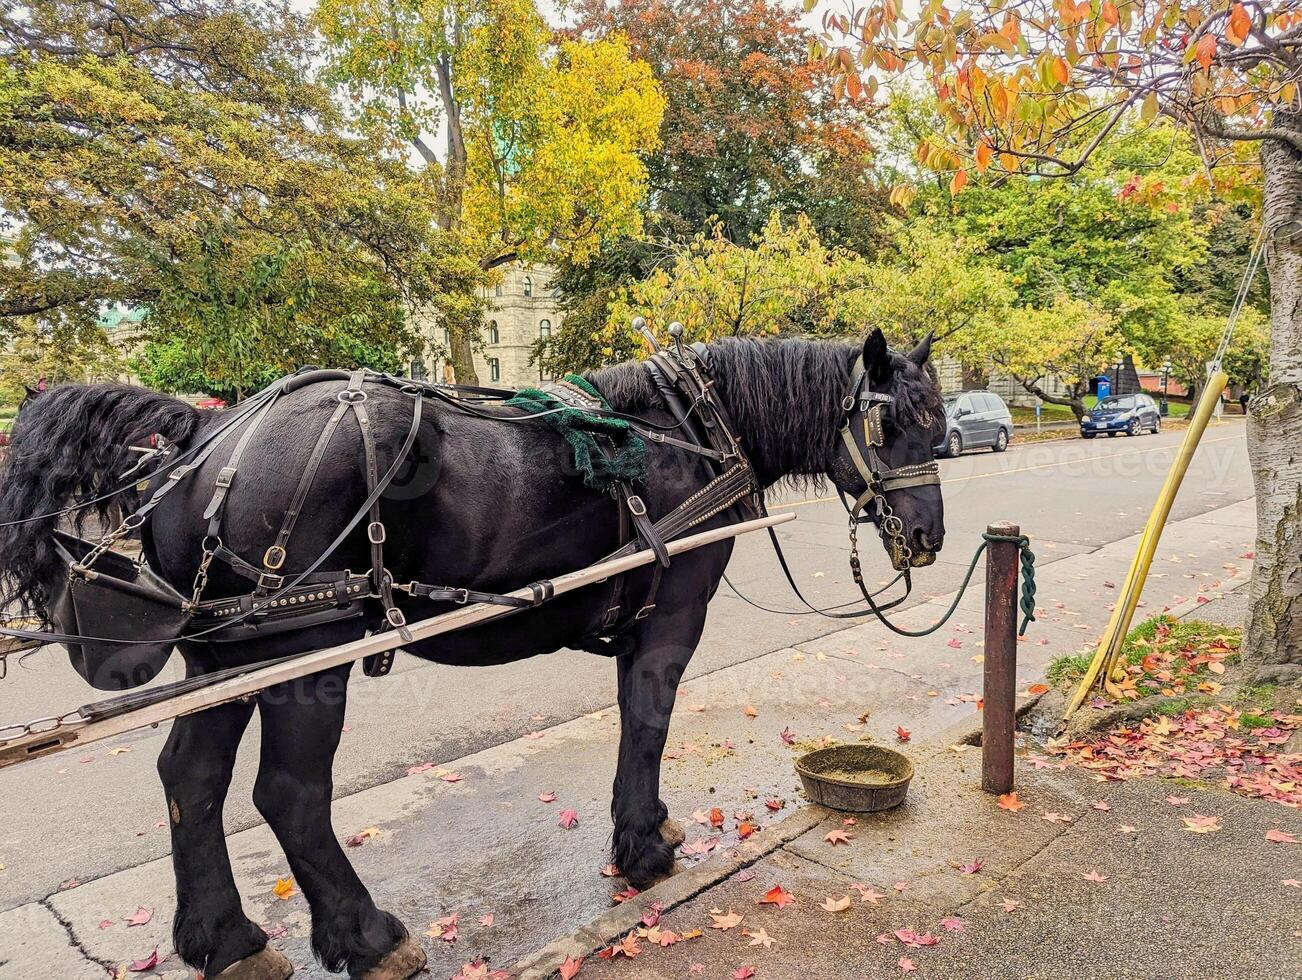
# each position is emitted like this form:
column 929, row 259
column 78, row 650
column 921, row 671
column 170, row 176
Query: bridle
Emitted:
column 862, row 403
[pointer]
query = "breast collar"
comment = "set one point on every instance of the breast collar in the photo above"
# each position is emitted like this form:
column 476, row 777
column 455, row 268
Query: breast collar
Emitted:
column 860, row 402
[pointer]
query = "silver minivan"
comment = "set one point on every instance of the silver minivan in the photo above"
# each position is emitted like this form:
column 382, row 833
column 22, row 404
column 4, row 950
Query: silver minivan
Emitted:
column 975, row 419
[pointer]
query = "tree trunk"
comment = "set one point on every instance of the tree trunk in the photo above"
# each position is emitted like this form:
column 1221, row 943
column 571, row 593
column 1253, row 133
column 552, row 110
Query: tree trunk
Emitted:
column 462, row 355
column 1273, row 642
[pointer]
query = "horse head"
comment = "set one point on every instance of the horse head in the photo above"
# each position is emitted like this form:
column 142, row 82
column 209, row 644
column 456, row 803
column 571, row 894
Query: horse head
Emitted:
column 884, row 459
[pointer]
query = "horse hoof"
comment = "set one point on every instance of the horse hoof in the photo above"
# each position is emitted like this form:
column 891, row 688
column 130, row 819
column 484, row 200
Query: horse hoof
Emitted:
column 654, row 880
column 265, row 964
column 672, row 833
column 403, row 961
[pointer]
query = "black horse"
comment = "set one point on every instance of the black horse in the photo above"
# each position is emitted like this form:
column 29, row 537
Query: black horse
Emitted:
column 488, row 505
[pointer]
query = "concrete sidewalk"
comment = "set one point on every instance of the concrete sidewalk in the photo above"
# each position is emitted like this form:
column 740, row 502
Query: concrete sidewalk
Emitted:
column 486, row 845
column 1159, row 901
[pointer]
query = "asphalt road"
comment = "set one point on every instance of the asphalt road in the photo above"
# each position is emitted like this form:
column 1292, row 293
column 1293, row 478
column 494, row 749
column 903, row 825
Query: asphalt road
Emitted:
column 84, row 815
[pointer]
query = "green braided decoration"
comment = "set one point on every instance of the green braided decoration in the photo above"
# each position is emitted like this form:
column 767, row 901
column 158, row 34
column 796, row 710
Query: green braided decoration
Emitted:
column 1027, row 602
column 627, row 460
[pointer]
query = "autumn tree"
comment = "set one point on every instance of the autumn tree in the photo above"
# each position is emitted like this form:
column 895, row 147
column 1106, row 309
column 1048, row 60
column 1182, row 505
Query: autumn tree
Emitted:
column 177, row 155
column 1036, row 87
column 750, row 125
column 542, row 137
column 1067, row 340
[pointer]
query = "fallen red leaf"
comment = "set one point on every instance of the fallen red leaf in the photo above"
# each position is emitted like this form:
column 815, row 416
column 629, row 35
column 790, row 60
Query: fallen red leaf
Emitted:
column 1280, row 837
column 547, row 797
column 779, row 896
column 907, row 965
column 569, row 819
column 902, row 733
column 743, row 973
column 1010, row 802
column 148, row 963
column 570, row 968
column 838, row 837
column 139, row 917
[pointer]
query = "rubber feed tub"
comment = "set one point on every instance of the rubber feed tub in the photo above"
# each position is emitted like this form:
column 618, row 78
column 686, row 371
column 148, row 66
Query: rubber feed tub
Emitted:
column 861, row 778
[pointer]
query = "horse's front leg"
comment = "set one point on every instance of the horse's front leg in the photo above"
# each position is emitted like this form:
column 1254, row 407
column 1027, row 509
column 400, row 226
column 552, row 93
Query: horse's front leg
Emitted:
column 301, row 724
column 645, row 838
column 210, row 931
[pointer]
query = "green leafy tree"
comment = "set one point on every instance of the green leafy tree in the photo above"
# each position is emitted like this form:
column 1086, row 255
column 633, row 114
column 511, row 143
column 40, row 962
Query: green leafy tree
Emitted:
column 934, row 281
column 54, row 353
column 1068, row 340
column 179, row 156
column 543, row 139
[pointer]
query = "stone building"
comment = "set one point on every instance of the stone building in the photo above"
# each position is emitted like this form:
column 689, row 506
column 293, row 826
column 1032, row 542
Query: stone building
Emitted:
column 521, row 309
column 951, row 376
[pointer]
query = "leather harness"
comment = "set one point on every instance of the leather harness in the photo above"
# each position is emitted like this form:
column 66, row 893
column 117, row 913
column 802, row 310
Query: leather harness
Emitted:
column 283, row 601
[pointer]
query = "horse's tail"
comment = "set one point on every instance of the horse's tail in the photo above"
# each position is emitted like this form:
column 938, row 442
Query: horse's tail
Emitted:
column 67, row 442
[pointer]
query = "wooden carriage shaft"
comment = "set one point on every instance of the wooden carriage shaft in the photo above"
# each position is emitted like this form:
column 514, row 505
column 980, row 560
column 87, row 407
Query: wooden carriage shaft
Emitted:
column 79, row 733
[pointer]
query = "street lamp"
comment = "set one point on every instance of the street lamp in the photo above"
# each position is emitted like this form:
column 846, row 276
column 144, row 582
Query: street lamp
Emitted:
column 1166, row 379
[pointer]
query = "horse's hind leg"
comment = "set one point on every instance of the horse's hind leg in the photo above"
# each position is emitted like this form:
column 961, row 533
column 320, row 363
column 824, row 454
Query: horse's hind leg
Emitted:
column 301, row 724
column 210, row 931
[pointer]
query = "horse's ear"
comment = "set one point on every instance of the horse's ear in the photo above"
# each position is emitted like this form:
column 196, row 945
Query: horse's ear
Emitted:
column 31, row 392
column 920, row 353
column 876, row 357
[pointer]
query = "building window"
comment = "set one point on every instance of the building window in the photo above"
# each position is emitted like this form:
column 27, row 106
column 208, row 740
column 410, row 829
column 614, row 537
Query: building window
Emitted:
column 447, row 338
column 544, row 329
column 417, row 369
column 494, row 369
column 493, row 336
column 528, row 286
column 497, row 290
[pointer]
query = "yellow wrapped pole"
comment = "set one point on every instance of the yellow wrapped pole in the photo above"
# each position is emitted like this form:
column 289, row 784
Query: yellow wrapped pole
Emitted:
column 1109, row 652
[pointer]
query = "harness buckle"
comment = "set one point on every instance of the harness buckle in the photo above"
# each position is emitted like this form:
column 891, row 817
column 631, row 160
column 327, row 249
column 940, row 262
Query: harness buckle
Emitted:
column 395, row 617
column 270, row 582
column 645, row 611
column 351, row 396
column 636, row 506
column 375, row 532
column 274, row 557
column 460, row 596
column 226, row 477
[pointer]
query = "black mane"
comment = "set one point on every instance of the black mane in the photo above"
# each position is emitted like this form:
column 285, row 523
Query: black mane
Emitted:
column 784, row 396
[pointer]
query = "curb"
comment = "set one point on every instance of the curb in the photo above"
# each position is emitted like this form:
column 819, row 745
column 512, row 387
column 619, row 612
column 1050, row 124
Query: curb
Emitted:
column 670, row 893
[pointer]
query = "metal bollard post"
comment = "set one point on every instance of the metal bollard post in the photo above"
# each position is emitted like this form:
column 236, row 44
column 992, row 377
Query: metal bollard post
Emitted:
column 999, row 715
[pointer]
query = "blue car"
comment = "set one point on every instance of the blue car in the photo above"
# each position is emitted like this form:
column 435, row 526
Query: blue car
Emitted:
column 1131, row 414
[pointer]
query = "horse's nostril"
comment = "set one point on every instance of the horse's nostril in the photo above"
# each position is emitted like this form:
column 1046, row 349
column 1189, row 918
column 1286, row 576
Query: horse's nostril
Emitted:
column 925, row 541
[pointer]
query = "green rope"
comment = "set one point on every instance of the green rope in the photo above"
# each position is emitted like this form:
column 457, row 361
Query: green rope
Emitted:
column 627, row 460
column 1027, row 601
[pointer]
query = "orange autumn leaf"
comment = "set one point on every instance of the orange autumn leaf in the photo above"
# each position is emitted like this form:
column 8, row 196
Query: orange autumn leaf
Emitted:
column 1061, row 70
column 1108, row 14
column 1038, row 689
column 957, row 182
column 1238, row 25
column 983, row 155
column 1010, row 802
column 1205, row 51
column 283, row 888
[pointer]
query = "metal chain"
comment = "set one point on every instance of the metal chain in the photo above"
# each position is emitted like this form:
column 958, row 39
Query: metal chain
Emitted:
column 201, row 575
column 110, row 539
column 40, row 726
